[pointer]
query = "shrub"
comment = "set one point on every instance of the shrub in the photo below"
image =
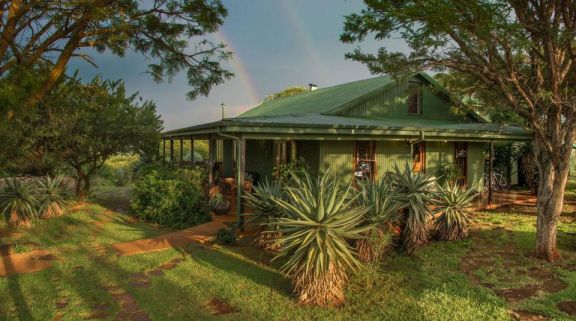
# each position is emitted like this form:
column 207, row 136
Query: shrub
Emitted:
column 320, row 220
column 451, row 173
column 52, row 196
column 285, row 171
column 415, row 197
column 119, row 169
column 382, row 215
column 218, row 201
column 266, row 211
column 452, row 202
column 225, row 236
column 168, row 198
column 18, row 202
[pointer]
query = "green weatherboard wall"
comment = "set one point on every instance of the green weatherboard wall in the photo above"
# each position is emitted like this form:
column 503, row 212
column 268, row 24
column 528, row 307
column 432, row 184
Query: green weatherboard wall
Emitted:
column 339, row 157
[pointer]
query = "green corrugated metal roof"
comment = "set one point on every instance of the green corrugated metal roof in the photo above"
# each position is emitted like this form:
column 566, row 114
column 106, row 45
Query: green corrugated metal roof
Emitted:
column 319, row 101
column 409, row 123
column 313, row 111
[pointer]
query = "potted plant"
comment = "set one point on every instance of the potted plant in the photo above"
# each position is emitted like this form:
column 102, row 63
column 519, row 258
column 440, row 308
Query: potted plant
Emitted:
column 219, row 204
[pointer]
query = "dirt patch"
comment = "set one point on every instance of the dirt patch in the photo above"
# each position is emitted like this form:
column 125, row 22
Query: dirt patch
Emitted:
column 520, row 315
column 140, row 316
column 100, row 311
column 568, row 307
column 549, row 281
column 218, row 307
column 61, row 304
column 48, row 257
column 156, row 272
column 517, row 294
column 140, row 280
column 172, row 264
column 24, row 263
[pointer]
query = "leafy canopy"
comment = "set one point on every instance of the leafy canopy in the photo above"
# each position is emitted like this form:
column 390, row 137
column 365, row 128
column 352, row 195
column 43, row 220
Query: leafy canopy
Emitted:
column 168, row 32
column 520, row 56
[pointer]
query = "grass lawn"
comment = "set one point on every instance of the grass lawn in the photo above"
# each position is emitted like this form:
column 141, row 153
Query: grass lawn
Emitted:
column 485, row 277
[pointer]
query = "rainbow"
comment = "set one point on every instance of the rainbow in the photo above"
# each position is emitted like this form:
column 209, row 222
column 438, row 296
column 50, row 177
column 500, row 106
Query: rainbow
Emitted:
column 304, row 38
column 239, row 67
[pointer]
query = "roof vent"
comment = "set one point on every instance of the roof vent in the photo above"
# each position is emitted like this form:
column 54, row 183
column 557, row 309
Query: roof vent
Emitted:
column 312, row 87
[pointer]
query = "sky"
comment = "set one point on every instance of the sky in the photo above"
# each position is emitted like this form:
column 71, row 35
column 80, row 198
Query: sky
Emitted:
column 275, row 44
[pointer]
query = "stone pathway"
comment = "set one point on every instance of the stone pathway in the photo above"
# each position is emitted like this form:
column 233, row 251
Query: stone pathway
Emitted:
column 200, row 233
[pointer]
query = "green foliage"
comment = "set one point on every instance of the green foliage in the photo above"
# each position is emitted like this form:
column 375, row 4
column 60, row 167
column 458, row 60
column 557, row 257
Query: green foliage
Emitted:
column 415, row 197
column 266, row 211
column 52, row 195
column 169, row 198
column 19, row 202
column 119, row 169
column 218, row 201
column 452, row 202
column 225, row 236
column 285, row 171
column 379, row 198
column 320, row 219
column 261, row 200
column 171, row 33
column 516, row 60
column 287, row 92
column 80, row 126
column 451, row 172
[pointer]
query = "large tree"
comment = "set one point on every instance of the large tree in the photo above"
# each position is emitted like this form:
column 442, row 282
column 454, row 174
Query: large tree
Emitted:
column 522, row 51
column 88, row 123
column 169, row 32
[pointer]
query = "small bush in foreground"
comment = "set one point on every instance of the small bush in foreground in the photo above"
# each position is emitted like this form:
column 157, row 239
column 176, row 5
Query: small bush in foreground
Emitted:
column 382, row 214
column 415, row 197
column 452, row 202
column 52, row 196
column 18, row 202
column 225, row 236
column 320, row 220
column 266, row 211
column 169, row 199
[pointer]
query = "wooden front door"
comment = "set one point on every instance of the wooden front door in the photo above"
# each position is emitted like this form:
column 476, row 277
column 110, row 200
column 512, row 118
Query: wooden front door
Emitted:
column 419, row 157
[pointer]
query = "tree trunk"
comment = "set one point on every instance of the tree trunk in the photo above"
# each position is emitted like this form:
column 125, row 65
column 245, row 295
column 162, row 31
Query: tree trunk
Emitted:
column 86, row 186
column 57, row 71
column 553, row 170
column 81, row 180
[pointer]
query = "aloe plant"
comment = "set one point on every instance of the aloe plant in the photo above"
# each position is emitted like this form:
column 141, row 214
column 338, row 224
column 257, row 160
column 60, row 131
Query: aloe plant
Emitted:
column 52, row 196
column 266, row 211
column 320, row 219
column 379, row 198
column 415, row 197
column 18, row 202
column 452, row 202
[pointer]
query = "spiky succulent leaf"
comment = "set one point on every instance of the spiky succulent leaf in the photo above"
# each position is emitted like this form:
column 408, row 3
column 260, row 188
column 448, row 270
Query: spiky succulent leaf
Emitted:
column 261, row 199
column 52, row 195
column 415, row 197
column 380, row 197
column 18, row 202
column 452, row 202
column 320, row 219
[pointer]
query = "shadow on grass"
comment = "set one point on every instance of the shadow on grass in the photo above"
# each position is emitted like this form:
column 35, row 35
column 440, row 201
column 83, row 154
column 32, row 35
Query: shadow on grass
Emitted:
column 15, row 290
column 242, row 267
